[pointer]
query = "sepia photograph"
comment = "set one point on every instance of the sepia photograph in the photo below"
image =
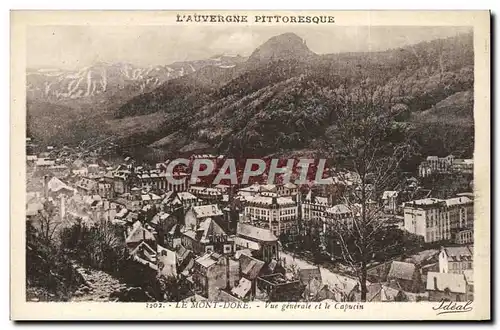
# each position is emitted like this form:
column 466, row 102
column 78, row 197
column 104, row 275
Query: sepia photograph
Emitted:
column 250, row 166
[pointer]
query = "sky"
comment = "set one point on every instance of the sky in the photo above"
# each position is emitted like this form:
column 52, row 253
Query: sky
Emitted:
column 77, row 46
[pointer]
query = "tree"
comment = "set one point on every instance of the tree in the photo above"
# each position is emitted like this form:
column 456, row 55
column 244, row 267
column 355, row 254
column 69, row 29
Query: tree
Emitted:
column 48, row 271
column 47, row 222
column 173, row 288
column 100, row 245
column 368, row 144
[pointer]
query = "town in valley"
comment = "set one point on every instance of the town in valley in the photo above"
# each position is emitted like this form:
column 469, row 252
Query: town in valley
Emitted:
column 389, row 218
column 259, row 242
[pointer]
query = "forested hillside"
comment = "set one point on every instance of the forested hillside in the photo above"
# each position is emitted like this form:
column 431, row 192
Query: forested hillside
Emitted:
column 280, row 100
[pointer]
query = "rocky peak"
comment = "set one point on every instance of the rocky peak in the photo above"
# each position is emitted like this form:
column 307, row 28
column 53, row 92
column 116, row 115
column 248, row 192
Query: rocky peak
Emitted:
column 287, row 46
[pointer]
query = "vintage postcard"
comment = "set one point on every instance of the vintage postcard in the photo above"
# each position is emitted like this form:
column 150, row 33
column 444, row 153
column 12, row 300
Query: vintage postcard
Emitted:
column 262, row 165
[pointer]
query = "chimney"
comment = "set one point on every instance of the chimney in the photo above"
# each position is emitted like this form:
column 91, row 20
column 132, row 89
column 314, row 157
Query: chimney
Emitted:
column 46, row 186
column 228, row 280
column 62, row 207
column 275, row 200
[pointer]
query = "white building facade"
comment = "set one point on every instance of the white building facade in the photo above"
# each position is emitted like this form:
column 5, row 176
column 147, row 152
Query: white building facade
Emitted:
column 278, row 214
column 437, row 219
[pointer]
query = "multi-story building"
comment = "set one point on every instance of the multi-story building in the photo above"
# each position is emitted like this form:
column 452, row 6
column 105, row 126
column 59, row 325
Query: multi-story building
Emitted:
column 208, row 237
column 251, row 190
column 156, row 179
column 465, row 166
column 287, row 189
column 447, row 287
column 121, row 182
column 455, row 259
column 261, row 242
column 390, row 201
column 267, row 210
column 196, row 214
column 125, row 178
column 464, row 236
column 436, row 219
column 313, row 206
column 340, row 214
column 212, row 272
column 461, row 212
column 313, row 210
column 104, row 189
column 448, row 164
column 279, row 288
column 174, row 200
column 211, row 195
column 440, row 164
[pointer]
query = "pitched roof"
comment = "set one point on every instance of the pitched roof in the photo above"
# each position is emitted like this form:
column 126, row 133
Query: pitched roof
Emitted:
column 268, row 187
column 253, row 188
column 204, row 211
column 245, row 243
column 167, row 261
column 184, row 195
column 321, row 200
column 328, row 294
column 144, row 247
column 166, row 198
column 188, row 267
column 458, row 201
column 121, row 214
column 306, row 275
column 389, row 194
column 132, row 216
column 208, row 228
column 459, row 253
column 423, row 256
column 139, row 234
column 223, row 296
column 424, row 201
column 401, row 270
column 239, row 253
column 441, row 281
column 243, row 288
column 44, row 162
column 182, row 252
column 266, row 199
column 379, row 292
column 207, row 260
column 339, row 209
column 159, row 217
column 86, row 184
column 56, row 185
column 259, row 234
column 250, row 267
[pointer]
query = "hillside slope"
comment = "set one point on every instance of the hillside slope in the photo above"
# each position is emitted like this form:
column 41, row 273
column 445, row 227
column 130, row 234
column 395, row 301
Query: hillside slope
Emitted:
column 271, row 105
column 280, row 99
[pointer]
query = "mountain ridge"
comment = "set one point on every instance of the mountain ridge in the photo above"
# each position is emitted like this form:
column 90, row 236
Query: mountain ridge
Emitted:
column 269, row 105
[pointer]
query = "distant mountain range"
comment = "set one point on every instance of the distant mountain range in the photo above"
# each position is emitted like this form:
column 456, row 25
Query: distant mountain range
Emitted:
column 274, row 101
column 104, row 78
